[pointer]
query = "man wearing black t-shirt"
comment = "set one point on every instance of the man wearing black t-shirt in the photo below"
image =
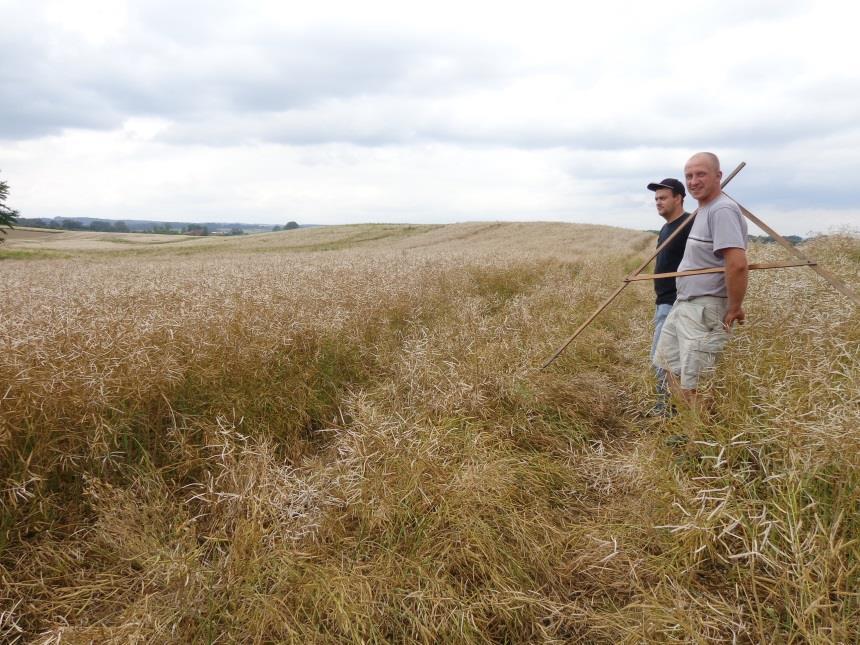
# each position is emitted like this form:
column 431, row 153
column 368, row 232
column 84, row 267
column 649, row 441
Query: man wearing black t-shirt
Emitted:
column 669, row 198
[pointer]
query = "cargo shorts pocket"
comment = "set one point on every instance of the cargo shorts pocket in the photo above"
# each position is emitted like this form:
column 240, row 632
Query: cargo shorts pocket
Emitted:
column 712, row 319
column 707, row 348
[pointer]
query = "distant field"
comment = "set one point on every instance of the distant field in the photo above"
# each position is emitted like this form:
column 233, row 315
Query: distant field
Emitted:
column 338, row 434
column 19, row 235
column 35, row 239
column 547, row 239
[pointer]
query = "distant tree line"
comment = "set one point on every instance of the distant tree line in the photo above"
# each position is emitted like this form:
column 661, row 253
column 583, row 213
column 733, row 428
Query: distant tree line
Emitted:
column 74, row 225
column 289, row 226
column 108, row 226
column 767, row 239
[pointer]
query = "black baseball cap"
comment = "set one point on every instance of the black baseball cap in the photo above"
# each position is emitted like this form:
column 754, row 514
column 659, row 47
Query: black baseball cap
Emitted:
column 674, row 185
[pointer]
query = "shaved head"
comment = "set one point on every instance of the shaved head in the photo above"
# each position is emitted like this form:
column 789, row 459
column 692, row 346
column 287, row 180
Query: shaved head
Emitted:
column 707, row 157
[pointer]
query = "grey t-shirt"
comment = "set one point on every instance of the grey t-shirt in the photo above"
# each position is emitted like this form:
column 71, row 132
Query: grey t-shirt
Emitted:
column 718, row 225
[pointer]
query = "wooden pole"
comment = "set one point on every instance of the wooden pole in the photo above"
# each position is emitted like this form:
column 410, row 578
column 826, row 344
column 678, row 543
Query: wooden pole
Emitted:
column 840, row 286
column 636, row 272
column 676, row 274
column 584, row 325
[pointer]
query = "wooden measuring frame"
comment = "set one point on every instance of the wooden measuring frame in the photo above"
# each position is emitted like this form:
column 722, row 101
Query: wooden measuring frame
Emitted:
column 636, row 275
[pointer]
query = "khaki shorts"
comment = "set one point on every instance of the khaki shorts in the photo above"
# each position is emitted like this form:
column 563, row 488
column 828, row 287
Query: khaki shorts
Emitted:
column 692, row 338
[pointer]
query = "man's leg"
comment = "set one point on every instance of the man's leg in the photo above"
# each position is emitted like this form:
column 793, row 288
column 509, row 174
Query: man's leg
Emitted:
column 690, row 396
column 660, row 314
column 702, row 339
column 667, row 354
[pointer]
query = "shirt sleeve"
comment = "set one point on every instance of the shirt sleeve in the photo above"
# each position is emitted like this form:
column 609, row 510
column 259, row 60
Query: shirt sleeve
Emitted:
column 729, row 228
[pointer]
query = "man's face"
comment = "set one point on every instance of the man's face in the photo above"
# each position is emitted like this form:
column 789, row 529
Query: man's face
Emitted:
column 667, row 203
column 703, row 180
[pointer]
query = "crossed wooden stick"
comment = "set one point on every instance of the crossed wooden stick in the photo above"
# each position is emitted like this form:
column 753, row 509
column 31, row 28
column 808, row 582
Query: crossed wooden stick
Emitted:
column 636, row 275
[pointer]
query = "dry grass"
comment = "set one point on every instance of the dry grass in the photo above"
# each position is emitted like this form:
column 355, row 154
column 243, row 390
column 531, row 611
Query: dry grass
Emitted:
column 338, row 435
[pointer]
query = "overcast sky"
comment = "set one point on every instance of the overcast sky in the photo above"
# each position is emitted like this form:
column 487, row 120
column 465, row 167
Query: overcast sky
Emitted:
column 329, row 112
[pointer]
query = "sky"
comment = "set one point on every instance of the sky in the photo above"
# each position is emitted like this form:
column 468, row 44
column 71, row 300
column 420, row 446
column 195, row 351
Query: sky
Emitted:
column 346, row 112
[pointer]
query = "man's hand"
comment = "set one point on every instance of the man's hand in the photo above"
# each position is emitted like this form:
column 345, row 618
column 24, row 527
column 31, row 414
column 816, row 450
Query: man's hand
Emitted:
column 732, row 316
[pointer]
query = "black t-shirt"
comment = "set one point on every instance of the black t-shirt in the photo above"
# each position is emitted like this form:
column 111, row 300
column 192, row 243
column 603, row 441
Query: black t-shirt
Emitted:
column 668, row 260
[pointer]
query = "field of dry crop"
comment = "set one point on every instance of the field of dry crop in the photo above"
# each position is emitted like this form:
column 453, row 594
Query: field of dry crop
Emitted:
column 338, row 435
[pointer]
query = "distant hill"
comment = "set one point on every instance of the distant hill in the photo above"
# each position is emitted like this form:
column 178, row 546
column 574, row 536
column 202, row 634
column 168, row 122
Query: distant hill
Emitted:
column 143, row 226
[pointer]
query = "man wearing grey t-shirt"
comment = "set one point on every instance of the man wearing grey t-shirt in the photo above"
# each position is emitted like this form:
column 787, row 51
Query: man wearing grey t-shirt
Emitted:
column 696, row 330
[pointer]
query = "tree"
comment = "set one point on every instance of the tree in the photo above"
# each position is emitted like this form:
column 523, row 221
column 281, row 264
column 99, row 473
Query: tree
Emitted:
column 290, row 226
column 237, row 230
column 7, row 216
column 101, row 226
column 120, row 227
column 275, row 229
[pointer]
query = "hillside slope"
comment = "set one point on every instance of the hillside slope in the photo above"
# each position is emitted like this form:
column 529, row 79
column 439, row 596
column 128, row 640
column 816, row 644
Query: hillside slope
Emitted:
column 339, row 435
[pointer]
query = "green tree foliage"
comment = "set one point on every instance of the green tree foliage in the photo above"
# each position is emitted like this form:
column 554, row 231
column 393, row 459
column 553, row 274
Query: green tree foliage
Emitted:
column 7, row 216
column 165, row 229
column 107, row 226
column 290, row 226
column 101, row 225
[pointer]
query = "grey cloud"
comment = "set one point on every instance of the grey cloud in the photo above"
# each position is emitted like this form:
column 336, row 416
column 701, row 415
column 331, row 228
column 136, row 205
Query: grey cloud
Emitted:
column 391, row 116
column 278, row 77
column 173, row 72
column 393, row 120
column 782, row 193
column 40, row 97
column 225, row 80
column 38, row 114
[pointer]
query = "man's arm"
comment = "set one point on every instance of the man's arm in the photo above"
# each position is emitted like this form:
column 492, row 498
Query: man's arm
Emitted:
column 736, row 284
